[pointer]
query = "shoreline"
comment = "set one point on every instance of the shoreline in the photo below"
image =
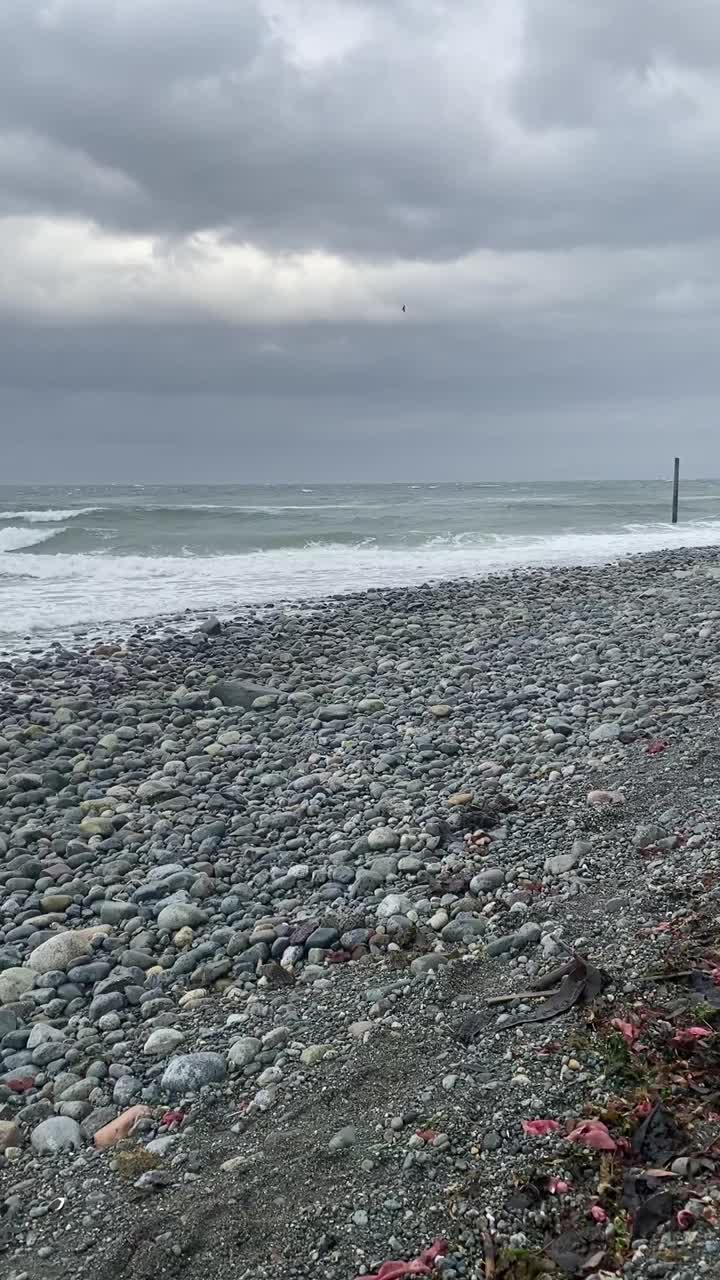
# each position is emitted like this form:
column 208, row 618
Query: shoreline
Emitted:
column 165, row 627
column 302, row 893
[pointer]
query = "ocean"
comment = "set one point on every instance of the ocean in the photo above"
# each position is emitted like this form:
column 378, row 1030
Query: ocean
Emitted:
column 79, row 559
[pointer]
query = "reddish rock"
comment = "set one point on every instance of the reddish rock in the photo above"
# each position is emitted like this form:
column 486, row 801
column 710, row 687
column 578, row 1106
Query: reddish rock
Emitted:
column 119, row 1128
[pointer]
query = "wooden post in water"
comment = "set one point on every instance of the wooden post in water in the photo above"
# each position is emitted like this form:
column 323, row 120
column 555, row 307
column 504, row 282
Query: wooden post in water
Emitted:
column 676, row 489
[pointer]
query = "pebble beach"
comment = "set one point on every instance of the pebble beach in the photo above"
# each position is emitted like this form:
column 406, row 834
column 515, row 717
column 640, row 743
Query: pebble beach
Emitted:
column 282, row 897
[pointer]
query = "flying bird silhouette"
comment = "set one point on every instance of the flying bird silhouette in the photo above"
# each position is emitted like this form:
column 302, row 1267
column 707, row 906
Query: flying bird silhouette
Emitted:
column 404, row 307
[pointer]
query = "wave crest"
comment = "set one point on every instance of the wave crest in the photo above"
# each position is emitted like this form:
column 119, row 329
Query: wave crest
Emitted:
column 48, row 516
column 14, row 538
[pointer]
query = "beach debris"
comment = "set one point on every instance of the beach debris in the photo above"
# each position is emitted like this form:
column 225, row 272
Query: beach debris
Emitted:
column 478, row 839
column 594, row 1134
column 539, row 1128
column 421, row 1266
column 489, row 1256
column 648, row 1203
column 690, row 1035
column 173, row 1118
column 481, row 818
column 580, row 982
column 656, row 747
column 577, row 1250
column 652, row 1213
column 512, row 1264
column 628, row 1030
column 657, row 1137
column 704, row 982
column 558, row 1186
column 121, row 1127
column 526, row 1197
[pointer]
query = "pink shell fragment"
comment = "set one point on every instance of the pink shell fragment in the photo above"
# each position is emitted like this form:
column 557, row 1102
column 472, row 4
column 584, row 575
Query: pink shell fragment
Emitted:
column 593, row 1133
column 421, row 1266
column 540, row 1128
column 689, row 1035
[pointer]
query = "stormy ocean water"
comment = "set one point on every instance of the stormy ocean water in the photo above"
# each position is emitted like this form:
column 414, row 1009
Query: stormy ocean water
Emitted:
column 78, row 559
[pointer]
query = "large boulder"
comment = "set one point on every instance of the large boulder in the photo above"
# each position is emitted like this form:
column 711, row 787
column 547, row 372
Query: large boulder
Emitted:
column 64, row 948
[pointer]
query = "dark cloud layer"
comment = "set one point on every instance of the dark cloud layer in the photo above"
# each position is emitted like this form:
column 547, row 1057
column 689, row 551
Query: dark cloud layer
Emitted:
column 537, row 179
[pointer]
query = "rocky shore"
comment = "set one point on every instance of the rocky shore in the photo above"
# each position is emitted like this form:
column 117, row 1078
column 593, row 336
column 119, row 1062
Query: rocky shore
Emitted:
column 267, row 888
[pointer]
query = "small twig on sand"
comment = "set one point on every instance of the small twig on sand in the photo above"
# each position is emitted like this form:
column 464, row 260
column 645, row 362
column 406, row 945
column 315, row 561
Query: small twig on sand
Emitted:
column 678, row 973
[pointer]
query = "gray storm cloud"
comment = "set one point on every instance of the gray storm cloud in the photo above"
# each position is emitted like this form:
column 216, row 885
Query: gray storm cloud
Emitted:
column 212, row 214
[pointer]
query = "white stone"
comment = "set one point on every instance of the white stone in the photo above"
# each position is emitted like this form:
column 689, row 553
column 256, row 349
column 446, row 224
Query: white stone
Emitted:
column 163, row 1040
column 62, row 950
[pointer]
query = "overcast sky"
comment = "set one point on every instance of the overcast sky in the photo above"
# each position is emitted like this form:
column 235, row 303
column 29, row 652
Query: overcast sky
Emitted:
column 213, row 211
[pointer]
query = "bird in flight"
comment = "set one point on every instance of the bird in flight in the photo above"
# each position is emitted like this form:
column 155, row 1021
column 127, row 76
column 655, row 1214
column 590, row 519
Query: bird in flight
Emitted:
column 404, row 308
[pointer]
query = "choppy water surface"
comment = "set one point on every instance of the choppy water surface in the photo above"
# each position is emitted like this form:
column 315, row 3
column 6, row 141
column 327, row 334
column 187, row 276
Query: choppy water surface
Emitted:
column 72, row 558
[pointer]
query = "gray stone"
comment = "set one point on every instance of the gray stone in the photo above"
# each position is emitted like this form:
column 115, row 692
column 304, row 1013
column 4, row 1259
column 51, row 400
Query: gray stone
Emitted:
column 156, row 789
column 178, row 915
column 355, row 938
column 429, row 963
column 41, row 1033
column 162, row 1041
column 371, row 705
column 60, row 951
column 528, row 934
column 499, row 946
column 322, row 938
column 239, row 693
column 8, row 1021
column 383, row 838
column 487, row 880
column 126, row 1088
column 59, row 1133
column 647, row 835
column 561, row 863
column 608, row 731
column 211, row 627
column 15, row 983
column 335, row 711
column 114, row 911
column 190, row 1072
column 343, row 1139
column 244, row 1051
column 395, row 904
column 110, row 1003
column 464, row 929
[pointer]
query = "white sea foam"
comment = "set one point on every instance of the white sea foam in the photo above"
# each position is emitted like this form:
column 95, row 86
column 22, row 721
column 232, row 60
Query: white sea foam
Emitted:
column 51, row 594
column 13, row 539
column 47, row 517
